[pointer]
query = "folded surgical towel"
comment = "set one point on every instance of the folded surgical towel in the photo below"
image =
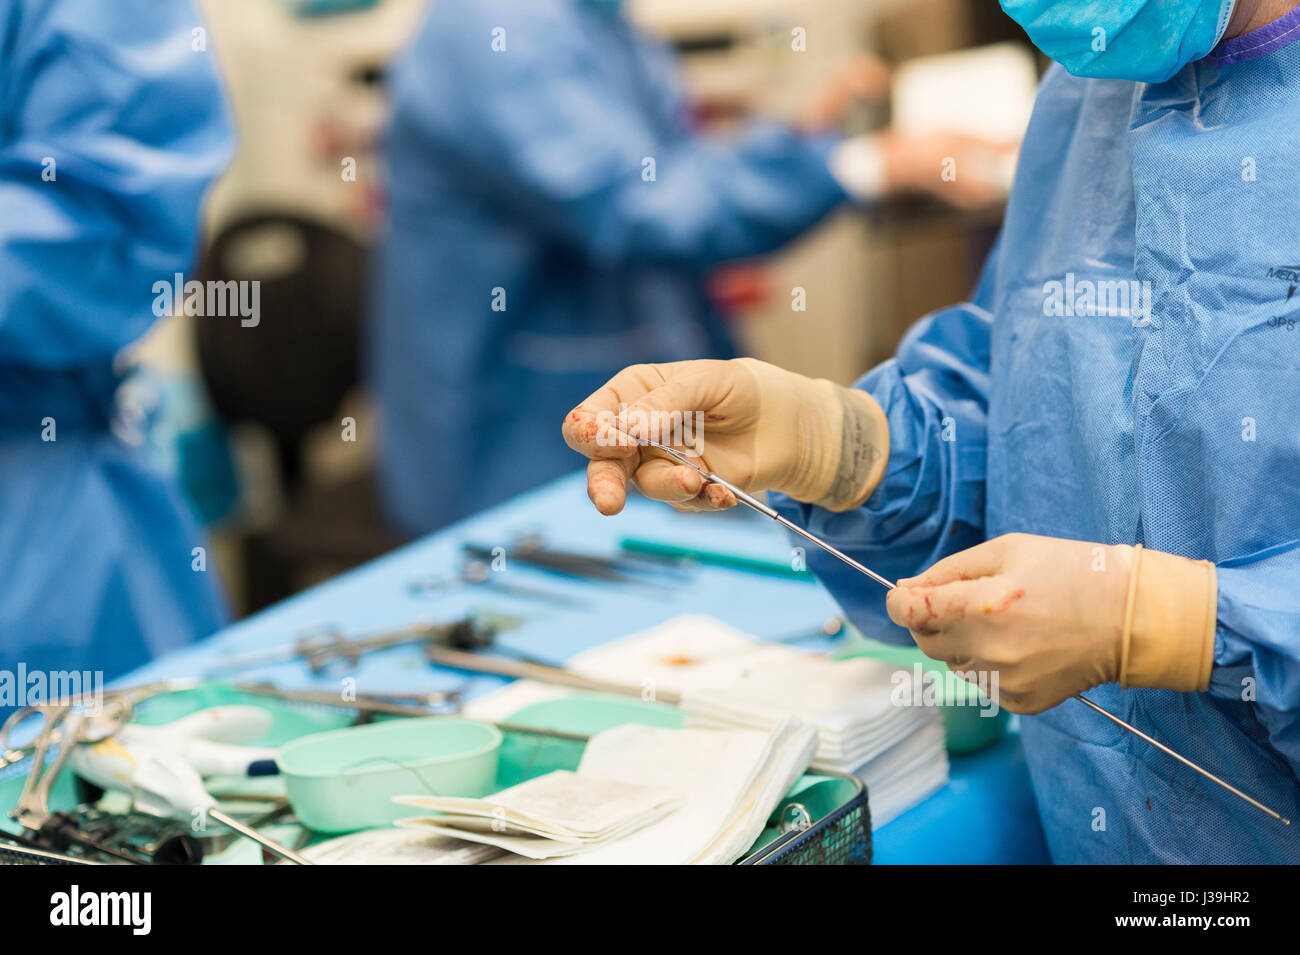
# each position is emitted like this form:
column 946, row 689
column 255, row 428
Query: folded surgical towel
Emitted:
column 641, row 795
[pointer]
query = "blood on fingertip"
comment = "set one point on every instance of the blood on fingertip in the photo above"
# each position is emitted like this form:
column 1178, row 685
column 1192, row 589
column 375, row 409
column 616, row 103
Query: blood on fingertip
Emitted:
column 718, row 495
column 687, row 480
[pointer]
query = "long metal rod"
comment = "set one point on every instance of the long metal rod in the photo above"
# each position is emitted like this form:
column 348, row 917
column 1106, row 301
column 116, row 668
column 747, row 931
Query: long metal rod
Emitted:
column 528, row 670
column 414, row 705
column 1185, row 761
column 249, row 833
column 367, row 704
column 754, row 503
column 767, row 511
column 836, row 552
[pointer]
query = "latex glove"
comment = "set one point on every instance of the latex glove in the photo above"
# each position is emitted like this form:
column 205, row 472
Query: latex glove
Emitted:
column 760, row 427
column 863, row 79
column 1056, row 617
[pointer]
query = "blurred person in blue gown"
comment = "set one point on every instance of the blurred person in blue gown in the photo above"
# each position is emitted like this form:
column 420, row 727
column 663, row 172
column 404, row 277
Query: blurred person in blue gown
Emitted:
column 112, row 125
column 554, row 216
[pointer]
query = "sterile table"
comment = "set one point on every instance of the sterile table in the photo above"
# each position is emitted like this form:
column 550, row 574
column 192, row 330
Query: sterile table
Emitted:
column 985, row 814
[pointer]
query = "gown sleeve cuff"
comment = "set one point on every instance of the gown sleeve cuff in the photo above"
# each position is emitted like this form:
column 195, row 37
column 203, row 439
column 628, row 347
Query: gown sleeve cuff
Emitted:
column 1169, row 623
column 864, row 451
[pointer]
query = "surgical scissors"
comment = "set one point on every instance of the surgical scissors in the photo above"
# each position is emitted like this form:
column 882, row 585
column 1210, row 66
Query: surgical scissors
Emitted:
column 763, row 508
column 127, row 697
column 66, row 724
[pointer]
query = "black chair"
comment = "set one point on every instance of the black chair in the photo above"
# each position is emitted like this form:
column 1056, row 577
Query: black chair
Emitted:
column 289, row 374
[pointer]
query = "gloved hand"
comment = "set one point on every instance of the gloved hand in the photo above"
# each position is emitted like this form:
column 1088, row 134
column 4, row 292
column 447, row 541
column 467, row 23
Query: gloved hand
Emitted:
column 981, row 169
column 763, row 429
column 873, row 165
column 1057, row 617
column 863, row 79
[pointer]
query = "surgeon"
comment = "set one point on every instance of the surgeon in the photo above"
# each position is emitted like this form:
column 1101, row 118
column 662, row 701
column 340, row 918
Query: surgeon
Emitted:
column 1087, row 477
column 554, row 217
column 111, row 127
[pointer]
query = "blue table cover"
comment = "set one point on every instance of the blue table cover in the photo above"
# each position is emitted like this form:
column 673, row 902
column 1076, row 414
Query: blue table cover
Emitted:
column 986, row 814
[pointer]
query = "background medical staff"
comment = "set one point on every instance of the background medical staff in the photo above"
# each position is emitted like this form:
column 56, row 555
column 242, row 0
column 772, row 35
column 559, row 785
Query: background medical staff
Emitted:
column 111, row 127
column 1099, row 493
column 554, row 217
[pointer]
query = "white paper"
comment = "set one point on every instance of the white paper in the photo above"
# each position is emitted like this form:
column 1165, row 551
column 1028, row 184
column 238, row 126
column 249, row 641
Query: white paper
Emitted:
column 736, row 779
column 397, row 847
column 563, row 803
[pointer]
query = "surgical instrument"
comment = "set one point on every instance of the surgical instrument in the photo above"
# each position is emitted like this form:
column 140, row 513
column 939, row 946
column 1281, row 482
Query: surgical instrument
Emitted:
column 69, row 725
column 479, row 573
column 393, row 704
column 66, row 725
column 20, row 854
column 754, row 503
column 566, row 563
column 319, row 652
column 763, row 508
column 94, row 836
column 76, row 728
column 1185, row 761
column 11, row 753
column 529, row 670
column 677, row 554
column 529, row 550
column 157, row 768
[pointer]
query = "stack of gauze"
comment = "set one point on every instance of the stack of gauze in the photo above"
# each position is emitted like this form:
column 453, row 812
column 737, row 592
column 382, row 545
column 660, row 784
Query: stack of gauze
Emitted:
column 728, row 680
column 641, row 796
column 558, row 814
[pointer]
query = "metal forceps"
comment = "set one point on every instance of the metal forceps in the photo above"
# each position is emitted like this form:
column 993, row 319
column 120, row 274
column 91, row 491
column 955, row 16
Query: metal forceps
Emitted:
column 11, row 755
column 63, row 724
column 752, row 502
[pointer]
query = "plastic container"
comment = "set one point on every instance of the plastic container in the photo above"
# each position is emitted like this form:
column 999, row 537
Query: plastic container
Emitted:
column 345, row 779
column 594, row 714
column 525, row 755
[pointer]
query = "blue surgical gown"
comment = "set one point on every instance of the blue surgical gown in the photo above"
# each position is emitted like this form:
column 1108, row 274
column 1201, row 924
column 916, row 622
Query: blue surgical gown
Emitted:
column 111, row 126
column 552, row 220
column 1093, row 417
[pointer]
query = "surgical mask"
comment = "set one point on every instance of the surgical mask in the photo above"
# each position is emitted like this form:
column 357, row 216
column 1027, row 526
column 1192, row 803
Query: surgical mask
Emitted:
column 1144, row 40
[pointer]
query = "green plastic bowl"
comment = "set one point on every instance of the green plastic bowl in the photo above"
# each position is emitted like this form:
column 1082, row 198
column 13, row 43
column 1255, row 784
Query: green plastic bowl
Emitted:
column 345, row 779
column 526, row 755
column 592, row 714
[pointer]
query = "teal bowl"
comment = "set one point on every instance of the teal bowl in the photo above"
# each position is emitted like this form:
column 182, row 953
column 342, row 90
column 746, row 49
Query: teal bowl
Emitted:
column 343, row 780
column 588, row 715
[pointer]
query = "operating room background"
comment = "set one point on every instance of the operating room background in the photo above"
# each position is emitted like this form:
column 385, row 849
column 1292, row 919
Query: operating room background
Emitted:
column 270, row 431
